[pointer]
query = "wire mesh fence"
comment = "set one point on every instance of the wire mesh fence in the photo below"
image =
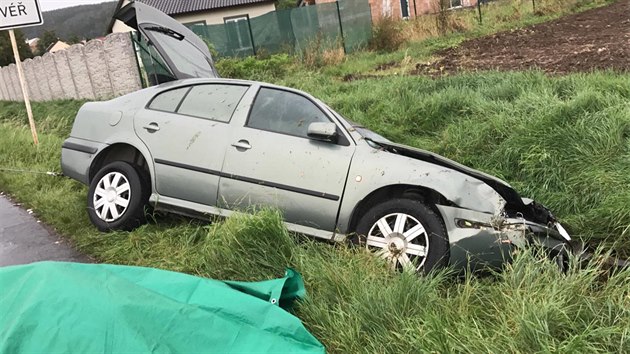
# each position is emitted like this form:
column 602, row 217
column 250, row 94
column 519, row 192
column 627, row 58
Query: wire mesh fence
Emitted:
column 346, row 23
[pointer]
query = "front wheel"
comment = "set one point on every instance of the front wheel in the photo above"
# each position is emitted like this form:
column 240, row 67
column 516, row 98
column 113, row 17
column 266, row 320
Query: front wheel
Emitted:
column 406, row 233
column 117, row 197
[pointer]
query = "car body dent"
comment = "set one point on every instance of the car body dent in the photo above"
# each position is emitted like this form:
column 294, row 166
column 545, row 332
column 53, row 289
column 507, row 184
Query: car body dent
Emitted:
column 372, row 169
column 491, row 239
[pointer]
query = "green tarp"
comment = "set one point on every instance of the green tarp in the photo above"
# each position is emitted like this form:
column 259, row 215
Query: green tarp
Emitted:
column 54, row 307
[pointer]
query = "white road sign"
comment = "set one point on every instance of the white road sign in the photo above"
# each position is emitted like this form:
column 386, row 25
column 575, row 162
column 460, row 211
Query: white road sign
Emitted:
column 24, row 13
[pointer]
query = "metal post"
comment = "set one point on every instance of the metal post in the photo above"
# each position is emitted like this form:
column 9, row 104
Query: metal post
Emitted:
column 479, row 9
column 415, row 9
column 27, row 101
column 534, row 5
column 251, row 35
column 343, row 40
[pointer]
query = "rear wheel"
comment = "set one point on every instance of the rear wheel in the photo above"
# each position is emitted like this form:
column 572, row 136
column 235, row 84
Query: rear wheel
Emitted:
column 117, row 197
column 406, row 233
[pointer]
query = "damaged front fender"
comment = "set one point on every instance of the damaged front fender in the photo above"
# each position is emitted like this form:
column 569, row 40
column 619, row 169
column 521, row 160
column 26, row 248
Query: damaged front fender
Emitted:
column 373, row 170
column 488, row 240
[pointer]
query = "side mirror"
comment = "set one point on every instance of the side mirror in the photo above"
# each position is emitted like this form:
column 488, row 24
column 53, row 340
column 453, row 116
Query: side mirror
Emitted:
column 323, row 131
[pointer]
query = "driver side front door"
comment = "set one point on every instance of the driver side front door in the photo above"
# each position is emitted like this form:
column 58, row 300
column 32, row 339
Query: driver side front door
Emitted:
column 271, row 161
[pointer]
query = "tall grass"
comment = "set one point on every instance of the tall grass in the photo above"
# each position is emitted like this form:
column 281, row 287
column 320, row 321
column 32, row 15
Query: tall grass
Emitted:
column 564, row 141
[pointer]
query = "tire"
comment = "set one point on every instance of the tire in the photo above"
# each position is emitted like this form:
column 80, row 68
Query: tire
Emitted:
column 122, row 208
column 407, row 233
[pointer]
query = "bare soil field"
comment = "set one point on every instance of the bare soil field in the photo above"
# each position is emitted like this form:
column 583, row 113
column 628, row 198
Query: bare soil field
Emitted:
column 583, row 42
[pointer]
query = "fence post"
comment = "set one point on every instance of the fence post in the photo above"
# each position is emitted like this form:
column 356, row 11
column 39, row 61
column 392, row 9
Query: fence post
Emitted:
column 343, row 40
column 479, row 10
column 251, row 35
column 534, row 5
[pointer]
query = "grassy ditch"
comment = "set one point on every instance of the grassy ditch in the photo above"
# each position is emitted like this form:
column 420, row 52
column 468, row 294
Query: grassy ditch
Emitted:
column 563, row 141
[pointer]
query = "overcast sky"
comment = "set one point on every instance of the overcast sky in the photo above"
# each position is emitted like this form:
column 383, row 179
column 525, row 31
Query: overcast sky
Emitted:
column 48, row 5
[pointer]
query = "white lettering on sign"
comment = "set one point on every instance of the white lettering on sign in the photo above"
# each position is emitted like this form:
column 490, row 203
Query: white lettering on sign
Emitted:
column 14, row 14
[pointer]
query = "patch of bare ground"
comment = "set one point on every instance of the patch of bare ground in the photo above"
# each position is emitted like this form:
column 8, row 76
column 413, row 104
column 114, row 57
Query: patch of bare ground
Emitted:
column 596, row 39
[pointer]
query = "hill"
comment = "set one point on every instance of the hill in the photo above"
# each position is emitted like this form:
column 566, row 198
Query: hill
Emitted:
column 83, row 21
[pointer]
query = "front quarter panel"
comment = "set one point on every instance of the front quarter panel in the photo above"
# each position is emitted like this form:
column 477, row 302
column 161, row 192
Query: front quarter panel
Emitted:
column 373, row 169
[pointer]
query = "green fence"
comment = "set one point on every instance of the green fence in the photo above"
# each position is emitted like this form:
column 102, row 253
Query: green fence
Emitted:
column 346, row 23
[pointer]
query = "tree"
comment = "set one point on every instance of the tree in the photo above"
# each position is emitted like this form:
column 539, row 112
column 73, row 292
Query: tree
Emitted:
column 48, row 38
column 285, row 4
column 74, row 39
column 6, row 52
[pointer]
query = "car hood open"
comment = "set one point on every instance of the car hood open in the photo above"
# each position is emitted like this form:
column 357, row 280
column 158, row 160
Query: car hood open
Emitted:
column 186, row 55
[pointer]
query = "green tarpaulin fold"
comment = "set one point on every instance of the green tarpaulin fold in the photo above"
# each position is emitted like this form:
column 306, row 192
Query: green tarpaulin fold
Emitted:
column 55, row 307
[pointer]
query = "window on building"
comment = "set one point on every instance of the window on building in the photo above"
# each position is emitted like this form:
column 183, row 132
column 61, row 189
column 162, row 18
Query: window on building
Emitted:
column 238, row 33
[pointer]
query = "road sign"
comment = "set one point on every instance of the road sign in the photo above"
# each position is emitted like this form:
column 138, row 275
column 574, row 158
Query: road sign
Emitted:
column 15, row 14
column 24, row 13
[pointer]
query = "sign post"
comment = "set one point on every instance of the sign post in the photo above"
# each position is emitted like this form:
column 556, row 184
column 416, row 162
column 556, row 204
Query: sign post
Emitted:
column 15, row 14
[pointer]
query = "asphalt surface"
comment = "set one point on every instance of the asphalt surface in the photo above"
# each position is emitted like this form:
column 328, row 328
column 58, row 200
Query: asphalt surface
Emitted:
column 24, row 240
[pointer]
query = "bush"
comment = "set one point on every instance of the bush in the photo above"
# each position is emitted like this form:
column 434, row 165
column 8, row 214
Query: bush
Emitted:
column 254, row 68
column 387, row 35
column 318, row 54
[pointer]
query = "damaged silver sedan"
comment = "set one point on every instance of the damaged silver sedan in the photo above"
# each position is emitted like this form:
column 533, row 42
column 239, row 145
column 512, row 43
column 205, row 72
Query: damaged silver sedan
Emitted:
column 199, row 144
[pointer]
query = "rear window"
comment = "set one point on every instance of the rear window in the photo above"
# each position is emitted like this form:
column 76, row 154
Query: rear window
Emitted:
column 169, row 100
column 187, row 59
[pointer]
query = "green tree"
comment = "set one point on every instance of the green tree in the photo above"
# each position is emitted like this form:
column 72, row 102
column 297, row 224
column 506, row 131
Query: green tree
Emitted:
column 285, row 4
column 6, row 52
column 74, row 39
column 48, row 38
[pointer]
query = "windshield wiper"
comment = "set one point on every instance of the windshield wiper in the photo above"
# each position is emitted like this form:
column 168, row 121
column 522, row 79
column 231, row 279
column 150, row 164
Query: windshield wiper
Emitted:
column 375, row 143
column 167, row 31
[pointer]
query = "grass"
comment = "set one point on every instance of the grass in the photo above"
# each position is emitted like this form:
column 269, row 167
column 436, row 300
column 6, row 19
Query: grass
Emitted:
column 563, row 140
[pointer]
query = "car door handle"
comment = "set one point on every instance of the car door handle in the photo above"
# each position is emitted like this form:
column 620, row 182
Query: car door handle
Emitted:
column 242, row 144
column 152, row 127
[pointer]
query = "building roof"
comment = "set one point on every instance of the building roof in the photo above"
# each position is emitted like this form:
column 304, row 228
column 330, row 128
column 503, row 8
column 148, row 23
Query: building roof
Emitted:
column 176, row 7
column 57, row 46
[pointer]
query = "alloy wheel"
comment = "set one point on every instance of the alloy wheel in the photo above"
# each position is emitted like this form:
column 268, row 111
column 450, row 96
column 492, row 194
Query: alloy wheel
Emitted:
column 400, row 239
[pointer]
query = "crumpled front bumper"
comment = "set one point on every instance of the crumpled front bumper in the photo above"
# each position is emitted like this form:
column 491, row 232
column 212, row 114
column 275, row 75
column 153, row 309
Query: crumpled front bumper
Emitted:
column 481, row 240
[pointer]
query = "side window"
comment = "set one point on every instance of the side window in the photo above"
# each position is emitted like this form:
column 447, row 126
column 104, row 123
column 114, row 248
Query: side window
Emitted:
column 284, row 112
column 169, row 100
column 213, row 101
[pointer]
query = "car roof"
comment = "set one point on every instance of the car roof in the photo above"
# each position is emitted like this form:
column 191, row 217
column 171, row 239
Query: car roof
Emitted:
column 195, row 81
